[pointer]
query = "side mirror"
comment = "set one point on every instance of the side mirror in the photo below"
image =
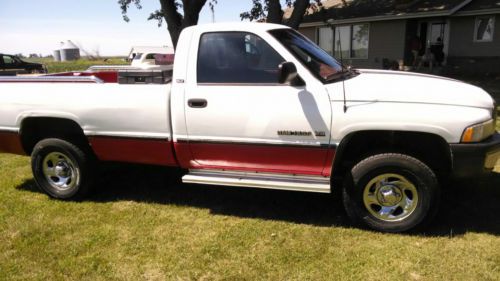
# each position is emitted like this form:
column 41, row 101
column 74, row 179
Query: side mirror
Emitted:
column 287, row 73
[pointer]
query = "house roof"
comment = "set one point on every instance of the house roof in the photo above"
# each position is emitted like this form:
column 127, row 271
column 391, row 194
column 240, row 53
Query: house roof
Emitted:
column 368, row 10
column 481, row 6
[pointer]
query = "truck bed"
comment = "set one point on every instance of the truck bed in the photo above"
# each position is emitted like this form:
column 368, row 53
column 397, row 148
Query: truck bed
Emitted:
column 124, row 122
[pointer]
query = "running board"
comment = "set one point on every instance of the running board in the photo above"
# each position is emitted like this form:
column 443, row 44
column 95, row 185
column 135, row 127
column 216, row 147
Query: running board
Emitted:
column 259, row 180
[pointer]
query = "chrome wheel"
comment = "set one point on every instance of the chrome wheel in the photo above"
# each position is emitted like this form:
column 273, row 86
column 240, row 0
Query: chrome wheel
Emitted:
column 390, row 197
column 60, row 171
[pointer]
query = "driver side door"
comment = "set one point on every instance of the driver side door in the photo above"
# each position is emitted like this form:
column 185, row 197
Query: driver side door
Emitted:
column 238, row 116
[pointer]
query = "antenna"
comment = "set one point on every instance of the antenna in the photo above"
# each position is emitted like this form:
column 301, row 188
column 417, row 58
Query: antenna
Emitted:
column 330, row 23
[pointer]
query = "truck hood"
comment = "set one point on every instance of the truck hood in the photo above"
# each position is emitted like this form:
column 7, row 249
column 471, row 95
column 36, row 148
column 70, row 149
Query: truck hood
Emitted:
column 407, row 87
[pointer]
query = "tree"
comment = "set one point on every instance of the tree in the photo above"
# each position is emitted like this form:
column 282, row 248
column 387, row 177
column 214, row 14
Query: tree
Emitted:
column 177, row 14
column 272, row 11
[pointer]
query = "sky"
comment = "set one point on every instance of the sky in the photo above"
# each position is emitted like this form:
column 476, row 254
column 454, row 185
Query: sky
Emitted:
column 36, row 26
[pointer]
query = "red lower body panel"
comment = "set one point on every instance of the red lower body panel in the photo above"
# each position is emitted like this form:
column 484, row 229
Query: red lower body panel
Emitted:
column 134, row 150
column 10, row 142
column 106, row 76
column 304, row 160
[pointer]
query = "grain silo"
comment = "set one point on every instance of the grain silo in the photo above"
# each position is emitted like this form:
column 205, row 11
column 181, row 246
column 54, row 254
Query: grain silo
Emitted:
column 57, row 55
column 69, row 51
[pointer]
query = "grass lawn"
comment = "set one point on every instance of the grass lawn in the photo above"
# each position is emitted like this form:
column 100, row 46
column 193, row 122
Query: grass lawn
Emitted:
column 141, row 223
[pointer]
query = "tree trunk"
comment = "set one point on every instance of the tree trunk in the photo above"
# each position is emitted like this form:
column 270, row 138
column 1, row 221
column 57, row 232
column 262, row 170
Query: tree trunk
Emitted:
column 274, row 13
column 175, row 21
column 172, row 18
column 299, row 9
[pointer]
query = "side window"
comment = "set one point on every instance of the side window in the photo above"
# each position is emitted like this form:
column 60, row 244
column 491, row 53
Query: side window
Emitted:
column 8, row 60
column 236, row 57
column 138, row 56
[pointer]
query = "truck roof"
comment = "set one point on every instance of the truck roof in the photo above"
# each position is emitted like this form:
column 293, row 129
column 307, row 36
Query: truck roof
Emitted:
column 237, row 26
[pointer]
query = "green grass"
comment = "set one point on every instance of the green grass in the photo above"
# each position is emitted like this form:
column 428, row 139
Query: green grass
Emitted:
column 79, row 65
column 498, row 119
column 141, row 223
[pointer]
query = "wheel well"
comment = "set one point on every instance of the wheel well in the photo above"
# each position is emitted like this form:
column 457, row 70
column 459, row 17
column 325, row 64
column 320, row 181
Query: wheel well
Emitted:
column 431, row 149
column 35, row 129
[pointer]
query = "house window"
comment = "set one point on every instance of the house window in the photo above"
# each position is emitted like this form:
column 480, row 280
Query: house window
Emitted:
column 351, row 41
column 325, row 39
column 359, row 41
column 483, row 31
column 342, row 42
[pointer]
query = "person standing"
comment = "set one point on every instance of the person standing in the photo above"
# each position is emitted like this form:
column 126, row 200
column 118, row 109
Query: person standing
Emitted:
column 415, row 46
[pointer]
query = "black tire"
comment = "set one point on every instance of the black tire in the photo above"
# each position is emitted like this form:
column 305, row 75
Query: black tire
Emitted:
column 374, row 186
column 62, row 170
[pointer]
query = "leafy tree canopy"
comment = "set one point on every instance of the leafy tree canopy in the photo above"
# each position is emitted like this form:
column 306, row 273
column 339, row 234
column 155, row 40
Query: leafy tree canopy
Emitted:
column 271, row 11
column 177, row 14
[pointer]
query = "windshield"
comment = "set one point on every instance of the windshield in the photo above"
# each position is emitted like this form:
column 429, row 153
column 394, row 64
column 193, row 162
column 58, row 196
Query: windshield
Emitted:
column 319, row 62
column 138, row 56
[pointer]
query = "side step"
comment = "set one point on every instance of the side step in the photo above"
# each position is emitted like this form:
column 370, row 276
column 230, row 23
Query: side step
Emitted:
column 259, row 180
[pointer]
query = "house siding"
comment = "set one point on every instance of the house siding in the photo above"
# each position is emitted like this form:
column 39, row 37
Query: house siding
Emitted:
column 462, row 39
column 467, row 56
column 309, row 32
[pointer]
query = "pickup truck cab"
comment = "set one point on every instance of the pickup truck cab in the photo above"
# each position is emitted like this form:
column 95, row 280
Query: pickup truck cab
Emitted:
column 13, row 65
column 259, row 105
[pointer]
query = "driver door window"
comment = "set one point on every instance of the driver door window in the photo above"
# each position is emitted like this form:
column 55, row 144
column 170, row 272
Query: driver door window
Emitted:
column 236, row 58
column 8, row 60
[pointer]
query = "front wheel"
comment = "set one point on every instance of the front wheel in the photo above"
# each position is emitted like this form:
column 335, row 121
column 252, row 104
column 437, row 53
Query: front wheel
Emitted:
column 391, row 193
column 61, row 169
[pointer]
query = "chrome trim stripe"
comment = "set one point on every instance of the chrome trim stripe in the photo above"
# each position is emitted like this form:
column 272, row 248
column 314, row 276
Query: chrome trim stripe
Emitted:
column 128, row 137
column 48, row 79
column 407, row 102
column 9, row 130
column 263, row 143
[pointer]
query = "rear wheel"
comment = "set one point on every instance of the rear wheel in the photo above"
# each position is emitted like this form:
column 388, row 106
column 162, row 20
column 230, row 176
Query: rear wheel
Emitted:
column 61, row 169
column 391, row 193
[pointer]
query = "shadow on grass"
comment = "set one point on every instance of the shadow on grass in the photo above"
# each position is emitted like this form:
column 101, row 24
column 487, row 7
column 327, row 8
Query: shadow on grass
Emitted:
column 467, row 206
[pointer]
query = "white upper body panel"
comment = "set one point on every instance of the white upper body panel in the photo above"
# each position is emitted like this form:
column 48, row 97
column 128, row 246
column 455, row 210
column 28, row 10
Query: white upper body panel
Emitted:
column 100, row 109
column 390, row 100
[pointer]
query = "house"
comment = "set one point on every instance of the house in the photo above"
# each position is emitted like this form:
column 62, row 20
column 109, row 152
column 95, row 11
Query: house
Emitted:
column 463, row 35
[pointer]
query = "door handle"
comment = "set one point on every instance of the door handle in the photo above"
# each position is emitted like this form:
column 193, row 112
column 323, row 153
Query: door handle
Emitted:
column 197, row 103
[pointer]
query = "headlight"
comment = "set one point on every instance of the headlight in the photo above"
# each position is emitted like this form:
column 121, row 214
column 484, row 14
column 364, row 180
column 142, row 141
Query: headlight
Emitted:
column 479, row 132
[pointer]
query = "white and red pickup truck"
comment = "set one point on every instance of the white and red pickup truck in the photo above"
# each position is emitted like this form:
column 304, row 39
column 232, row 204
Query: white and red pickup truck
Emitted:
column 259, row 105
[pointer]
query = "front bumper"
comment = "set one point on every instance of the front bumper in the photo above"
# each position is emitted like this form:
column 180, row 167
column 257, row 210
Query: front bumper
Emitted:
column 475, row 159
